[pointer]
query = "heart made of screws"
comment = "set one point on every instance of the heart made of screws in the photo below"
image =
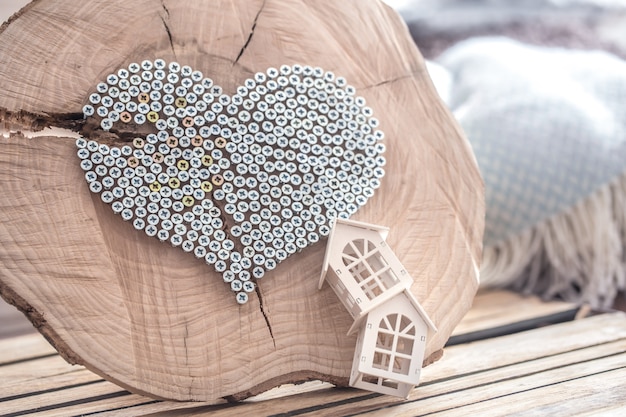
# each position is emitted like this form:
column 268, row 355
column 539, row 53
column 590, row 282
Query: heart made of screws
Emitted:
column 243, row 181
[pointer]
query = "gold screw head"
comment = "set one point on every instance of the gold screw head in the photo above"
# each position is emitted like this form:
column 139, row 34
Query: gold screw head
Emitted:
column 188, row 201
column 183, row 165
column 174, row 182
column 172, row 141
column 217, row 180
column 197, row 140
column 155, row 186
column 207, row 160
column 152, row 116
column 220, row 142
column 133, row 162
column 188, row 121
column 126, row 117
column 138, row 143
column 206, row 186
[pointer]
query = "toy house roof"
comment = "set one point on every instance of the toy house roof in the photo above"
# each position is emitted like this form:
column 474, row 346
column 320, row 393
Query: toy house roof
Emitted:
column 414, row 303
column 382, row 230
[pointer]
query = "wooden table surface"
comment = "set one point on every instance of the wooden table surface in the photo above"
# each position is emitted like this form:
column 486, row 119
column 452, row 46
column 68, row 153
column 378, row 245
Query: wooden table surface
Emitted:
column 574, row 367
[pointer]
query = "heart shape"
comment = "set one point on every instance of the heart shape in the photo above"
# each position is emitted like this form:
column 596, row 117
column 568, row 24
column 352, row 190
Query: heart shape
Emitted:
column 243, row 181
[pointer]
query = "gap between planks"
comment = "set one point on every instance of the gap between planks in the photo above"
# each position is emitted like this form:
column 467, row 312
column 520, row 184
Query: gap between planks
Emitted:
column 466, row 371
column 495, row 309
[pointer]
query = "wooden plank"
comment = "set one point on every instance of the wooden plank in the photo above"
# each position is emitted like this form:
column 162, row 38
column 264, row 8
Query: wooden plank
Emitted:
column 44, row 384
column 466, row 364
column 21, row 348
column 490, row 385
column 609, row 410
column 97, row 404
column 53, row 400
column 562, row 391
column 63, row 394
column 480, row 371
column 37, row 368
column 476, row 378
column 155, row 408
column 529, row 345
column 492, row 315
column 280, row 405
column 589, row 394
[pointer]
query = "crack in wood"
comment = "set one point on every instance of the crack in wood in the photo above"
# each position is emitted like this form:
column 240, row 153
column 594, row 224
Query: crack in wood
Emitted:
column 185, row 337
column 166, row 26
column 169, row 34
column 25, row 120
column 392, row 80
column 167, row 12
column 254, row 22
column 21, row 123
column 265, row 316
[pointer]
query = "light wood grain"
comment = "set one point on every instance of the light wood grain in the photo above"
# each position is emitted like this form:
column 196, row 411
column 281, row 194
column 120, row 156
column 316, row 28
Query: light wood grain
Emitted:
column 492, row 309
column 20, row 348
column 557, row 339
column 558, row 391
column 154, row 319
column 572, row 368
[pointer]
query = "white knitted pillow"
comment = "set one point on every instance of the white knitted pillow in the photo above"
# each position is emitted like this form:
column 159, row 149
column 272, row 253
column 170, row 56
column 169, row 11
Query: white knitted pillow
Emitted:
column 548, row 127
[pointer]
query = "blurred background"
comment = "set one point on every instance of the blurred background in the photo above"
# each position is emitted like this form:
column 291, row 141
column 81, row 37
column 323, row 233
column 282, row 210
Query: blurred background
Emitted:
column 539, row 87
column 584, row 24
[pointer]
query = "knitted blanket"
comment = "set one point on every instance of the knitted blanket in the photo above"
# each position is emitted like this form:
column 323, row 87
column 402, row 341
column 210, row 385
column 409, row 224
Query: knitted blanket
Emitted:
column 548, row 128
column 545, row 116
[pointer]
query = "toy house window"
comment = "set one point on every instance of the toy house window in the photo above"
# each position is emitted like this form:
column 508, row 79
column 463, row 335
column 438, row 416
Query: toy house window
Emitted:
column 368, row 267
column 394, row 344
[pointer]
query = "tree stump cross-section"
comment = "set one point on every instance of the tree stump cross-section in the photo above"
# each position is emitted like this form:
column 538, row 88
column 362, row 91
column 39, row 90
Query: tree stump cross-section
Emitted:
column 157, row 320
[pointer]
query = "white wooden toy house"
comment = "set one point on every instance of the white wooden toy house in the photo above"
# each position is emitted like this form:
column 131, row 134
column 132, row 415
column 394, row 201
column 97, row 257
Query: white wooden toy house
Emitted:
column 374, row 287
column 390, row 347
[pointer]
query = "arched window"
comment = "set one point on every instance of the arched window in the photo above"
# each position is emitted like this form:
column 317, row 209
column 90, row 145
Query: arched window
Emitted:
column 394, row 344
column 368, row 267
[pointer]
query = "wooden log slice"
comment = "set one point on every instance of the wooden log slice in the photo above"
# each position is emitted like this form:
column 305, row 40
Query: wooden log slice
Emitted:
column 157, row 320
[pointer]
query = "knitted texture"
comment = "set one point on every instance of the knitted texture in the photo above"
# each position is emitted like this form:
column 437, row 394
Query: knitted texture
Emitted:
column 547, row 125
column 548, row 128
